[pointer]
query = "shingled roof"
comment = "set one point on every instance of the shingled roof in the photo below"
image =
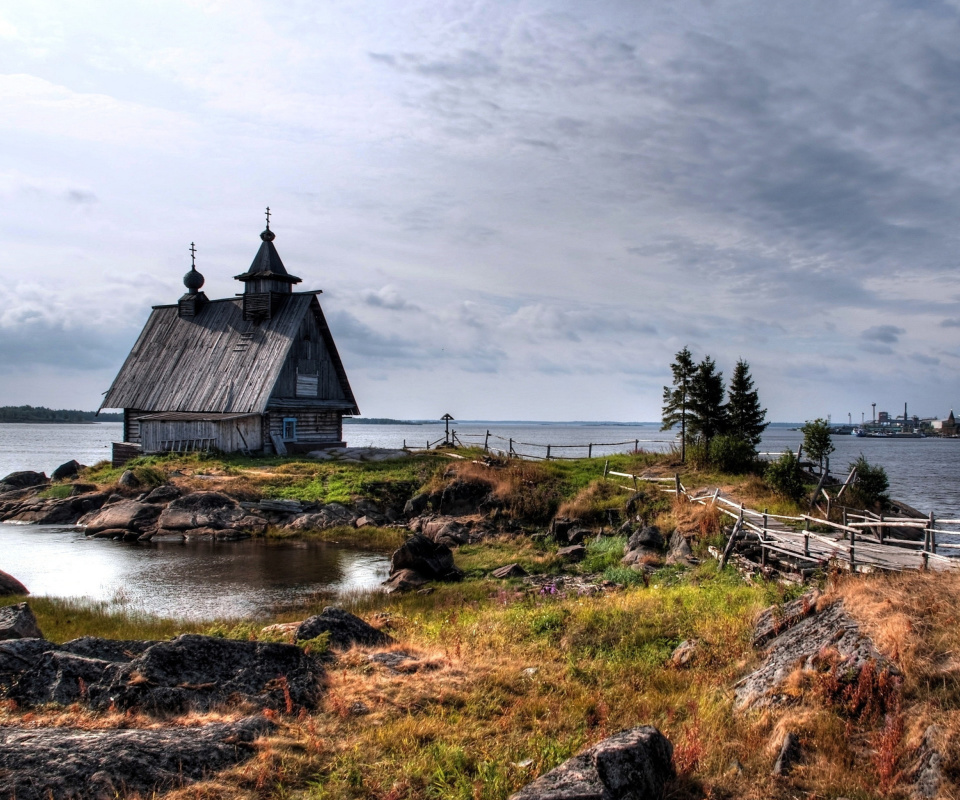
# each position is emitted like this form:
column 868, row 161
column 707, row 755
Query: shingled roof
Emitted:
column 217, row 362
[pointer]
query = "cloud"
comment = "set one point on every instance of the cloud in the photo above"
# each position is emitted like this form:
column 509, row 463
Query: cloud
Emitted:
column 950, row 323
column 388, row 297
column 888, row 334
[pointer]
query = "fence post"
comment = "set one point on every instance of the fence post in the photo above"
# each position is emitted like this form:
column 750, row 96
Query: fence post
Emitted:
column 590, row 450
column 404, row 444
column 636, row 445
column 548, row 452
column 933, row 533
column 880, row 528
column 676, row 477
column 606, row 466
column 926, row 560
column 511, row 448
column 486, row 439
column 806, row 543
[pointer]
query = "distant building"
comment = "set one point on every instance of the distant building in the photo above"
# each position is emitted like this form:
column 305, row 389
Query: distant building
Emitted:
column 257, row 373
column 945, row 427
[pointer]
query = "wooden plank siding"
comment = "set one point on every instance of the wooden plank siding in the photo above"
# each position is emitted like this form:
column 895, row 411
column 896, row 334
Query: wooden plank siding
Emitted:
column 314, row 428
column 227, row 435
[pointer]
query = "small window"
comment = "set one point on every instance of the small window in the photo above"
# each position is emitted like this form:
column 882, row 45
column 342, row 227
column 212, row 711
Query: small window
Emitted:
column 289, row 429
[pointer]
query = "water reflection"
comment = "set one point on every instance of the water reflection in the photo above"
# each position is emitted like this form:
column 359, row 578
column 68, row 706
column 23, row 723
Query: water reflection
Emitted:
column 196, row 579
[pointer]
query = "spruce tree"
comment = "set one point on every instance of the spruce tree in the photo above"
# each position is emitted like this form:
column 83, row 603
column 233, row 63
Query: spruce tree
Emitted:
column 708, row 414
column 747, row 421
column 676, row 400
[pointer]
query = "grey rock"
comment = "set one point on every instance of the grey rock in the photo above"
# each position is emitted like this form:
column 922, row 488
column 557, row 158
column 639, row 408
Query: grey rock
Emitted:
column 58, row 677
column 509, row 571
column 403, row 580
column 684, row 653
column 771, row 622
column 463, row 497
column 22, row 480
column 928, row 774
column 201, row 510
column 19, row 655
column 68, row 470
column 127, row 515
column 632, row 765
column 18, row 622
column 416, row 505
column 128, row 479
column 575, row 552
column 194, row 672
column 431, row 560
column 803, row 643
column 345, row 629
column 163, row 494
column 679, row 552
column 450, row 532
column 10, row 585
column 648, row 537
column 72, row 764
column 790, row 755
column 117, row 650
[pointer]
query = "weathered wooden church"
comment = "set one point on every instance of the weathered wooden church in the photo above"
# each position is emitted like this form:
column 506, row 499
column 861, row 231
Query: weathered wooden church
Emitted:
column 257, row 373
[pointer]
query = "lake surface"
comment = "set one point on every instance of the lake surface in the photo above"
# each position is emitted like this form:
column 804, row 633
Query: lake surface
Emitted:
column 196, row 579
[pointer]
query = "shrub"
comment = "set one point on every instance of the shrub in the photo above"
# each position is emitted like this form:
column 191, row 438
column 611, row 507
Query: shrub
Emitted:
column 871, row 484
column 784, row 476
column 731, row 454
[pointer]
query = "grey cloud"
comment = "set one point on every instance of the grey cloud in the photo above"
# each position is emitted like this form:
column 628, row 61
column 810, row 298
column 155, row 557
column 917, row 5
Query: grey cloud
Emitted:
column 36, row 342
column 465, row 65
column 388, row 298
column 950, row 323
column 876, row 349
column 923, row 358
column 888, row 334
column 80, row 197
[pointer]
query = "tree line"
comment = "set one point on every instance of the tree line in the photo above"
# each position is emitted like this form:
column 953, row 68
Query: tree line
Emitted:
column 42, row 414
column 723, row 425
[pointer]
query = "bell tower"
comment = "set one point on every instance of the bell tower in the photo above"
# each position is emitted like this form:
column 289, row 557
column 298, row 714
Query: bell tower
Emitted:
column 267, row 281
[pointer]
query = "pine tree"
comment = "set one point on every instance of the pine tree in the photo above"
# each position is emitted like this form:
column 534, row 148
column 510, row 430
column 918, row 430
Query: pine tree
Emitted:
column 676, row 400
column 708, row 414
column 747, row 421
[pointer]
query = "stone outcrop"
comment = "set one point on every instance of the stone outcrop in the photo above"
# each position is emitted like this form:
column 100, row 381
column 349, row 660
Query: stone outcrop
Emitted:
column 643, row 544
column 679, row 551
column 428, row 559
column 40, row 511
column 66, row 471
column 24, row 479
column 790, row 755
column 126, row 515
column 73, row 764
column 18, row 622
column 509, row 571
column 802, row 640
column 10, row 585
column 632, row 765
column 344, row 628
column 189, row 673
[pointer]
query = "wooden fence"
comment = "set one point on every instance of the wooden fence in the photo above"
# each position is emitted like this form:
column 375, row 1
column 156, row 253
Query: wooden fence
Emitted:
column 863, row 542
column 502, row 445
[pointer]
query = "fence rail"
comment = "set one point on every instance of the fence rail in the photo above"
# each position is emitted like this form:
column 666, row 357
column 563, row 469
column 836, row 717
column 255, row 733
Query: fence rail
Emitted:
column 793, row 542
column 503, row 445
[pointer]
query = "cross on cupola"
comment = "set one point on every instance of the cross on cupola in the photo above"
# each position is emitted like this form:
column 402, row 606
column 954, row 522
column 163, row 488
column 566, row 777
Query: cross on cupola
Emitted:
column 267, row 281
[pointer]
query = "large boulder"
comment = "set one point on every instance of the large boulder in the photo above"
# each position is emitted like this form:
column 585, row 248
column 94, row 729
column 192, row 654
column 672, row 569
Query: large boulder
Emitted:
column 632, row 765
column 643, row 545
column 431, row 560
column 19, row 655
column 18, row 622
column 679, row 552
column 24, row 479
column 66, row 471
column 806, row 640
column 201, row 510
column 344, row 628
column 58, row 677
column 464, row 497
column 73, row 764
column 194, row 672
column 10, row 585
column 67, row 511
column 126, row 515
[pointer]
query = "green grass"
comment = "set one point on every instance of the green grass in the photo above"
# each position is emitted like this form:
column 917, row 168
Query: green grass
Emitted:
column 56, row 492
column 604, row 553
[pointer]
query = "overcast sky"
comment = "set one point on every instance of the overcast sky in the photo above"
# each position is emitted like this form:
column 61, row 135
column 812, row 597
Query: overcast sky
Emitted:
column 516, row 210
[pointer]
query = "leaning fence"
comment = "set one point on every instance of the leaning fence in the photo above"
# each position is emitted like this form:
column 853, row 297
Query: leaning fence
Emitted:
column 861, row 542
column 535, row 451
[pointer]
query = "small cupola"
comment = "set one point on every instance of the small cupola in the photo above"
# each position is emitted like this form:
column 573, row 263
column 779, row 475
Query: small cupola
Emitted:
column 190, row 304
column 267, row 281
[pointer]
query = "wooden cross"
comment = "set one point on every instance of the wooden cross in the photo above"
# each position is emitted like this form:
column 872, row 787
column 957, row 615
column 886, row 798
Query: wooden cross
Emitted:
column 193, row 256
column 268, row 217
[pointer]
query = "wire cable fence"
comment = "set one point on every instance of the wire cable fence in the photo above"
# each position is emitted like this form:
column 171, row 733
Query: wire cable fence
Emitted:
column 537, row 451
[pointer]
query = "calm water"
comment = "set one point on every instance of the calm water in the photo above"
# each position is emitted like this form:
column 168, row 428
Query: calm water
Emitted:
column 205, row 579
column 197, row 579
